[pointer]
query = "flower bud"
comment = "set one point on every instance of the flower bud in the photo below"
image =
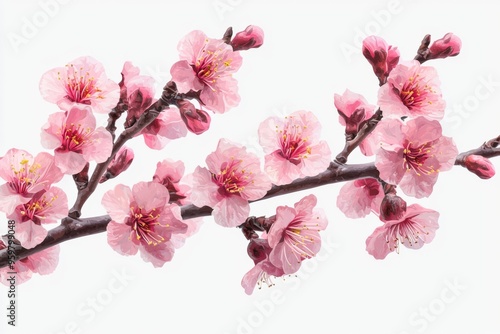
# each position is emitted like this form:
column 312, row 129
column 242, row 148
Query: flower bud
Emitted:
column 448, row 46
column 381, row 56
column 258, row 249
column 392, row 207
column 197, row 121
column 250, row 38
column 480, row 166
column 122, row 160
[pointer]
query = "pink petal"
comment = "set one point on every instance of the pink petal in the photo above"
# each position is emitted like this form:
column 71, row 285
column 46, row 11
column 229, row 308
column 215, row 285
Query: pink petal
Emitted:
column 231, row 211
column 30, row 234
column 117, row 203
column 119, row 238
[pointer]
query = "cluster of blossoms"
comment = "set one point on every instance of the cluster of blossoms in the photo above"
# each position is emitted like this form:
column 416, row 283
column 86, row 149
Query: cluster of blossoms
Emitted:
column 407, row 143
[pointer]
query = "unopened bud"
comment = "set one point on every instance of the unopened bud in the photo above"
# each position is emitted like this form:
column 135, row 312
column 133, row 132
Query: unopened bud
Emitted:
column 197, row 121
column 381, row 56
column 258, row 249
column 122, row 160
column 448, row 46
column 250, row 38
column 392, row 207
column 480, row 166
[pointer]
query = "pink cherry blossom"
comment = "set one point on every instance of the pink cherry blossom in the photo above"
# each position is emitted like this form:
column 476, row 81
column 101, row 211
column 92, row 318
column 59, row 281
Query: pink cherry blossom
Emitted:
column 46, row 206
column 417, row 227
column 294, row 236
column 412, row 154
column 76, row 140
column 412, row 90
column 261, row 273
column 82, row 81
column 43, row 263
column 381, row 56
column 448, row 46
column 142, row 220
column 25, row 177
column 167, row 126
column 292, row 146
column 207, row 66
column 136, row 92
column 250, row 38
column 358, row 198
column 169, row 173
column 233, row 178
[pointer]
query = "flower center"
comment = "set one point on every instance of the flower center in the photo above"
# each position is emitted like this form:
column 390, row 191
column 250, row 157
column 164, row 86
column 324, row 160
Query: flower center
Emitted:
column 25, row 176
column 231, row 179
column 414, row 158
column 210, row 65
column 407, row 231
column 415, row 93
column 143, row 224
column 34, row 209
column 294, row 146
column 74, row 137
column 80, row 85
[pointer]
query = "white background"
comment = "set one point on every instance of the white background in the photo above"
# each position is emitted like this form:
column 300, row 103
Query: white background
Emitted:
column 300, row 66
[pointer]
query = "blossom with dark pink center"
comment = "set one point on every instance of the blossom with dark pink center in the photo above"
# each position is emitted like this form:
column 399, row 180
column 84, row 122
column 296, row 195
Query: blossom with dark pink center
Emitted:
column 381, row 56
column 417, row 227
column 143, row 220
column 292, row 146
column 43, row 263
column 294, row 236
column 75, row 139
column 136, row 92
column 358, row 198
column 82, row 81
column 167, row 126
column 25, row 177
column 233, row 178
column 412, row 154
column 250, row 38
column 207, row 66
column 448, row 46
column 261, row 273
column 412, row 90
column 46, row 206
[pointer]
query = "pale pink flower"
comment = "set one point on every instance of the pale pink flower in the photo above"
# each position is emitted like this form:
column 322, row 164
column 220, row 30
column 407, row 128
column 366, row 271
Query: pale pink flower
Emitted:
column 82, row 81
column 207, row 66
column 197, row 121
column 358, row 198
column 142, row 220
column 45, row 207
column 412, row 90
column 25, row 177
column 136, row 92
column 120, row 163
column 480, row 166
column 233, row 178
column 167, row 126
column 381, row 56
column 294, row 236
column 417, row 227
column 292, row 146
column 250, row 38
column 75, row 139
column 261, row 273
column 412, row 154
column 448, row 46
column 169, row 173
column 43, row 263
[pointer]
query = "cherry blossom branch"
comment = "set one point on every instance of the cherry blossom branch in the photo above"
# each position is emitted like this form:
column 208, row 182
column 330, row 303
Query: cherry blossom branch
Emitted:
column 144, row 120
column 72, row 228
column 366, row 129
